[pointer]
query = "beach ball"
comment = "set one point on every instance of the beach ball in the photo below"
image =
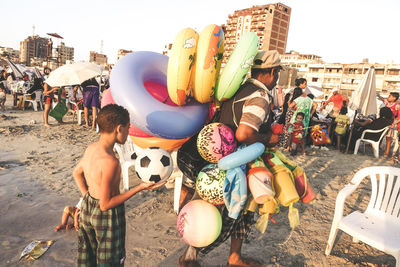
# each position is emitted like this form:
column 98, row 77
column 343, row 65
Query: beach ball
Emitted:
column 199, row 223
column 153, row 164
column 209, row 184
column 216, row 141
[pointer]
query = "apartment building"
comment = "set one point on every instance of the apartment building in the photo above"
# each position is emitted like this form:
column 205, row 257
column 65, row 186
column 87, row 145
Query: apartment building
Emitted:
column 123, row 52
column 32, row 47
column 98, row 58
column 270, row 22
column 65, row 53
column 346, row 77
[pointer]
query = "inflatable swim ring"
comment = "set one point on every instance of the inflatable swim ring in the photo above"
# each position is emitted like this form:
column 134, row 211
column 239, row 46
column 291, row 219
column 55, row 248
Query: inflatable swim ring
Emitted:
column 237, row 67
column 208, row 62
column 147, row 113
column 167, row 144
column 180, row 65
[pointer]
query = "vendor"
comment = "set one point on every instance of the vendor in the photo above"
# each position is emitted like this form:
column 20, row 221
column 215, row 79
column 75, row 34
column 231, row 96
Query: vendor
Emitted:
column 248, row 114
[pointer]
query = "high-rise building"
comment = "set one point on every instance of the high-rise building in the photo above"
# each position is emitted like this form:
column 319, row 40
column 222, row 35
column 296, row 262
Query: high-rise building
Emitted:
column 123, row 52
column 33, row 47
column 65, row 53
column 270, row 22
column 98, row 58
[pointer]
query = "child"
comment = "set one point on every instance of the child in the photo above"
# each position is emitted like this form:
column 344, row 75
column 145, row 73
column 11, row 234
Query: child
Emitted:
column 297, row 136
column 3, row 97
column 73, row 212
column 101, row 237
column 341, row 125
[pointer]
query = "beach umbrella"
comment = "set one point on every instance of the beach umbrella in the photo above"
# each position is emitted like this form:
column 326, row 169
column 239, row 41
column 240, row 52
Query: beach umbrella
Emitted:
column 314, row 90
column 72, row 74
column 364, row 99
column 17, row 72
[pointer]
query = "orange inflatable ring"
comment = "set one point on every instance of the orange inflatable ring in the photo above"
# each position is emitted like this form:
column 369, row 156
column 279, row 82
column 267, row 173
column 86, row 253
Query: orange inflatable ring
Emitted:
column 167, row 144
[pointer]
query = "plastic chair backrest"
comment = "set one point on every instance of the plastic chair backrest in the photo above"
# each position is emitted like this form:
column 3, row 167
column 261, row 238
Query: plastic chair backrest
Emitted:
column 38, row 95
column 385, row 183
column 382, row 131
column 127, row 149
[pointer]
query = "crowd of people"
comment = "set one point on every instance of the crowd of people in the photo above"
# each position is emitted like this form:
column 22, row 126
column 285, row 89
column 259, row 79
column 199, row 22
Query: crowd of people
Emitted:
column 85, row 96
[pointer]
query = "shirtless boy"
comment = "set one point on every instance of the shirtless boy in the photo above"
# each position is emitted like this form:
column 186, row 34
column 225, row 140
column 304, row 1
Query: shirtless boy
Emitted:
column 101, row 238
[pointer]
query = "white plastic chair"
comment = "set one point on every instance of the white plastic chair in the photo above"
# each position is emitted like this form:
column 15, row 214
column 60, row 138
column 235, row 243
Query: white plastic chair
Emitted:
column 379, row 225
column 375, row 144
column 125, row 152
column 38, row 100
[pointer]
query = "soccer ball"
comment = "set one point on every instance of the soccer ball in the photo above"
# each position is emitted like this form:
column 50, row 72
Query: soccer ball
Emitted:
column 153, row 164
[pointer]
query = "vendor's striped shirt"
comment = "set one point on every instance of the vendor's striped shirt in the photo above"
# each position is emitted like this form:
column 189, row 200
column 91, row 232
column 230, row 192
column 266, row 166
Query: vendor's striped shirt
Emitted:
column 257, row 106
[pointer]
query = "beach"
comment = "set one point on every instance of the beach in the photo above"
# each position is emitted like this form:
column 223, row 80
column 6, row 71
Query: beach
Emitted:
column 36, row 182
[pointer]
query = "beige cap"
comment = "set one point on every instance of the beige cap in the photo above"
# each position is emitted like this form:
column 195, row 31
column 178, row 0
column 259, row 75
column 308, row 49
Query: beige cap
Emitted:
column 266, row 60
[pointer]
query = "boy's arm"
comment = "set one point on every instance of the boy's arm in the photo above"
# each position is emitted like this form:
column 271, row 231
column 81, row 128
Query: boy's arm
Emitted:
column 108, row 176
column 79, row 177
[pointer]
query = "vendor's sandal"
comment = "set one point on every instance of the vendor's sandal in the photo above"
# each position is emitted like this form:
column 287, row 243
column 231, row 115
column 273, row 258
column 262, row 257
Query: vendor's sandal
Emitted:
column 246, row 263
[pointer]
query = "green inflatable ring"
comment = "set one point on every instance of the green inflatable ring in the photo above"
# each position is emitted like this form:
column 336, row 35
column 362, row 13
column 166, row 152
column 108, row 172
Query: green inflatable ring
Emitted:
column 237, row 67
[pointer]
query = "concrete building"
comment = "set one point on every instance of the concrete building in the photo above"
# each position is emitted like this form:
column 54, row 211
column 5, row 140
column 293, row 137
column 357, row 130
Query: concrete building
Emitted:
column 98, row 58
column 64, row 53
column 13, row 54
column 270, row 22
column 123, row 52
column 346, row 77
column 31, row 47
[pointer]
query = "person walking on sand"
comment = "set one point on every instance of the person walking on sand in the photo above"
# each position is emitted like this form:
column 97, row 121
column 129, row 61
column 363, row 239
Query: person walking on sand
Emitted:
column 249, row 115
column 91, row 99
column 48, row 100
column 101, row 235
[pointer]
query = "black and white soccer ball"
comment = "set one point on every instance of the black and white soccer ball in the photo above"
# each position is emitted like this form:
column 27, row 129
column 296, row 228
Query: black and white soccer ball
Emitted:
column 153, row 164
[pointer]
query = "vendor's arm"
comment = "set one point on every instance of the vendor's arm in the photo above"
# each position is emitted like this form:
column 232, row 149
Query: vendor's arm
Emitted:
column 79, row 177
column 110, row 172
column 326, row 103
column 247, row 135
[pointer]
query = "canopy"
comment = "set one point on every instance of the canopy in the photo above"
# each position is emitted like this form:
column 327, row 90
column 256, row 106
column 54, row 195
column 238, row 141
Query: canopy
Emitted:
column 364, row 99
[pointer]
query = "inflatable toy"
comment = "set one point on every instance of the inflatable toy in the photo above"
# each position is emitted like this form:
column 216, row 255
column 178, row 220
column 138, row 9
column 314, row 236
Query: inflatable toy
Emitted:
column 199, row 223
column 210, row 50
column 148, row 114
column 319, row 136
column 260, row 184
column 153, row 165
column 303, row 186
column 167, row 144
column 108, row 99
column 237, row 66
column 241, row 156
column 180, row 65
column 284, row 187
column 216, row 141
column 209, row 184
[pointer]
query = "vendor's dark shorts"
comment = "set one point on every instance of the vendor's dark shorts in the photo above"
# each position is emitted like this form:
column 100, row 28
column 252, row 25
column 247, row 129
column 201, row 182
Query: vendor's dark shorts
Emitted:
column 48, row 99
column 239, row 228
column 91, row 96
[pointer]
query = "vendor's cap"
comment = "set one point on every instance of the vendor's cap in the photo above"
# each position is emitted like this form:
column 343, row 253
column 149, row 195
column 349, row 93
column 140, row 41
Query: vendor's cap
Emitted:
column 267, row 60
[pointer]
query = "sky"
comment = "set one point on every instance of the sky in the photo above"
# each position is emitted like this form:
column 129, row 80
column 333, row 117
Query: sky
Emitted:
column 343, row 31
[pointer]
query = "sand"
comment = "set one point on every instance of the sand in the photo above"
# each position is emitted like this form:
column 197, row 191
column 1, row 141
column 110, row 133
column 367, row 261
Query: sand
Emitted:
column 36, row 183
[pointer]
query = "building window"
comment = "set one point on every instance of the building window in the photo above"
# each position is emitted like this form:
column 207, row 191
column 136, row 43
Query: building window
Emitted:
column 314, row 79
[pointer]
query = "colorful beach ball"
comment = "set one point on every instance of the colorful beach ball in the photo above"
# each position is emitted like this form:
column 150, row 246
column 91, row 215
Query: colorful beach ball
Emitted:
column 216, row 141
column 209, row 184
column 153, row 164
column 199, row 223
